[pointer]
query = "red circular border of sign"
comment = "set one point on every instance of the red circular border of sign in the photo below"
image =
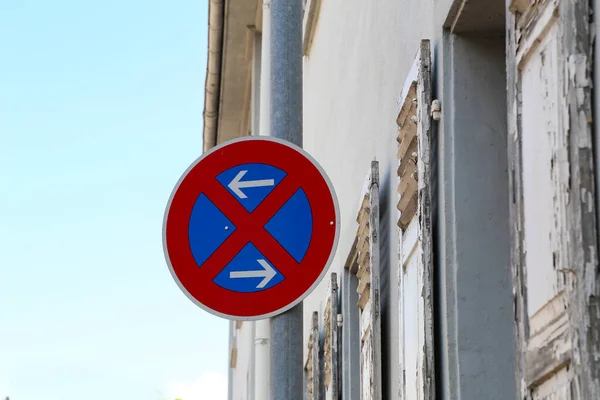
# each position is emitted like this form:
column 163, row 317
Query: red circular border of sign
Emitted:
column 298, row 283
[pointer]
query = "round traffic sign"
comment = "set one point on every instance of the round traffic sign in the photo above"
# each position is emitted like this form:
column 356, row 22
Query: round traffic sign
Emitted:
column 251, row 228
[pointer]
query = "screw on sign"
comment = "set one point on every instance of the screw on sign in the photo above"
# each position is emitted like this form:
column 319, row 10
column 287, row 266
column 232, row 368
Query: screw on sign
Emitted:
column 251, row 228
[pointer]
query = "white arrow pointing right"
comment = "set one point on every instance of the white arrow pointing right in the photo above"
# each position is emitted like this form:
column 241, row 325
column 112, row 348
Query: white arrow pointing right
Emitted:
column 267, row 273
column 236, row 184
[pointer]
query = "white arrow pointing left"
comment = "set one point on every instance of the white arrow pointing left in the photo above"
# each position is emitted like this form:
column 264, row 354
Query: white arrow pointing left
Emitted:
column 236, row 184
column 267, row 273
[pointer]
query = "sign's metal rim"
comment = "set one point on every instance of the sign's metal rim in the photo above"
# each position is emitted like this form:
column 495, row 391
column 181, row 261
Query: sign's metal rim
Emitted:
column 325, row 267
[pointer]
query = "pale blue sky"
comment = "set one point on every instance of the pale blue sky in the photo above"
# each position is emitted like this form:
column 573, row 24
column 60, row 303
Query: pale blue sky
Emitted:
column 100, row 113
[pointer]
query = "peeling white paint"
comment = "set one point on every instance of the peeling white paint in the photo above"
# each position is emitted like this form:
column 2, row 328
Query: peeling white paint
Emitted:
column 544, row 165
column 555, row 257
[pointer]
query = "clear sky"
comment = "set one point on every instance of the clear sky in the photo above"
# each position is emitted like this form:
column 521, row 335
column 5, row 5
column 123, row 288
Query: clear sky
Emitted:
column 100, row 113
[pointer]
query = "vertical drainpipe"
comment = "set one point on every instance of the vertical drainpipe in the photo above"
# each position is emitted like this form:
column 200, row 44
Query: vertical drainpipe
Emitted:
column 265, row 71
column 212, row 85
column 261, row 360
column 251, row 369
column 262, row 330
column 230, row 374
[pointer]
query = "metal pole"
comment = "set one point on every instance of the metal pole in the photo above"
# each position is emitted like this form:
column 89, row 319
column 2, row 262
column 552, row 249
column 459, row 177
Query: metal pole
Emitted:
column 286, row 70
column 262, row 337
column 286, row 378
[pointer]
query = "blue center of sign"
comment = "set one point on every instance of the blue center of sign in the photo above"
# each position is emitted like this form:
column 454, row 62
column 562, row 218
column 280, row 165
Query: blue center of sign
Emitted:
column 291, row 226
column 250, row 184
column 248, row 272
column 208, row 229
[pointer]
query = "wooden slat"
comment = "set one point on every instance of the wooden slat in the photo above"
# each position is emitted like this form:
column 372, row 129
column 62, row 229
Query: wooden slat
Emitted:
column 407, row 196
column 363, row 250
column 409, row 174
column 408, row 157
column 409, row 212
column 408, row 105
column 363, row 263
column 363, row 221
column 407, row 133
column 364, row 281
column 364, row 297
column 363, row 241
column 549, row 347
column 363, row 212
column 363, row 268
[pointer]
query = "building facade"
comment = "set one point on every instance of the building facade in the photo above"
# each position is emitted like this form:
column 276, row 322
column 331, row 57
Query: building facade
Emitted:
column 459, row 136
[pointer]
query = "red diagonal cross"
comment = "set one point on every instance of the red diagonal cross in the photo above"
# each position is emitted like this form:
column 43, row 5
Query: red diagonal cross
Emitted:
column 250, row 227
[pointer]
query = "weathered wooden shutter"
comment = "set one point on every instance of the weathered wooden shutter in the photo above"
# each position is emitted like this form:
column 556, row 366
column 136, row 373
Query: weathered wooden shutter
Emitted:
column 331, row 341
column 553, row 229
column 366, row 266
column 414, row 221
column 312, row 367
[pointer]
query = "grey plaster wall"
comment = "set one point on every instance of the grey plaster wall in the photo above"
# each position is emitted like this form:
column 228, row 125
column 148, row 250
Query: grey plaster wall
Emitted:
column 475, row 316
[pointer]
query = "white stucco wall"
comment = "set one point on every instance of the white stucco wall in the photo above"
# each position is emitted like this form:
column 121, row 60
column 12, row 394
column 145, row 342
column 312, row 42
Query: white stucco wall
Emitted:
column 359, row 60
column 360, row 57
